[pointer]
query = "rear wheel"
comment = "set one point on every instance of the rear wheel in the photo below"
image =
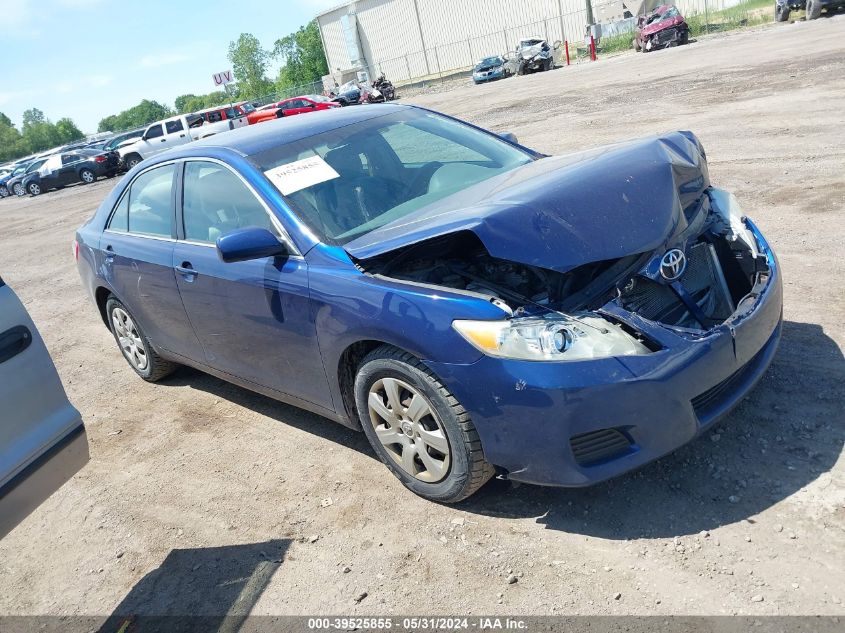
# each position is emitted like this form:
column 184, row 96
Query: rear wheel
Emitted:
column 814, row 9
column 781, row 12
column 132, row 160
column 417, row 428
column 134, row 346
column 4, row 193
column 18, row 189
column 86, row 175
column 33, row 188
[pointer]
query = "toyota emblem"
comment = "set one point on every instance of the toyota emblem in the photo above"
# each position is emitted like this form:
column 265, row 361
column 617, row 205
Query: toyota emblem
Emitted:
column 673, row 264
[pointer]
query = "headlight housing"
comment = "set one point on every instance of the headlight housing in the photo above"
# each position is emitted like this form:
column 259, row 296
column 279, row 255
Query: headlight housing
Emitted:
column 550, row 338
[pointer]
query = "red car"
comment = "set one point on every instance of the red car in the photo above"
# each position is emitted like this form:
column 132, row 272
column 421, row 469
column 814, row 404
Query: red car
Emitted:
column 661, row 28
column 289, row 107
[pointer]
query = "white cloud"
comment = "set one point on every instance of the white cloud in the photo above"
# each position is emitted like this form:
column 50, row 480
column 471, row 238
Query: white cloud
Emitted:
column 162, row 59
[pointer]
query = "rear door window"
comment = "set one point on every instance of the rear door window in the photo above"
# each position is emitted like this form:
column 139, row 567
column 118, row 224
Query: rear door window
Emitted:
column 174, row 126
column 147, row 208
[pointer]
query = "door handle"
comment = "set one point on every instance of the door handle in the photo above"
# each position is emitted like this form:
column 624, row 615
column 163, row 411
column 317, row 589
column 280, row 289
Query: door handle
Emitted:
column 181, row 136
column 13, row 341
column 109, row 254
column 164, row 140
column 187, row 271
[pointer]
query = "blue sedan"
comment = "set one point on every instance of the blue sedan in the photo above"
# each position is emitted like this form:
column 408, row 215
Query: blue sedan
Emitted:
column 475, row 307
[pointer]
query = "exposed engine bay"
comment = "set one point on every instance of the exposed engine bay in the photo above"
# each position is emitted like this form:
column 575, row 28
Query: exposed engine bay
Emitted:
column 721, row 267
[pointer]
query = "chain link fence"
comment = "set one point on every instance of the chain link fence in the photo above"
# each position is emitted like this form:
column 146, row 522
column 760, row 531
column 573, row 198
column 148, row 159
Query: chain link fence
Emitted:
column 423, row 70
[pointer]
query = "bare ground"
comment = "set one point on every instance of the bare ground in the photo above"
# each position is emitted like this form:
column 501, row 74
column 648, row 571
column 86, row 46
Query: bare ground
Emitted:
column 195, row 486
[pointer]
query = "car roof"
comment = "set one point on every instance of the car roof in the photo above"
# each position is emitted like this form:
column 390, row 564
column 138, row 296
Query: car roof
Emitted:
column 253, row 139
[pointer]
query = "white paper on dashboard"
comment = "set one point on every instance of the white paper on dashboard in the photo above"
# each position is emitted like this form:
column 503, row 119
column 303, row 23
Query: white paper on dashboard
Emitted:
column 301, row 174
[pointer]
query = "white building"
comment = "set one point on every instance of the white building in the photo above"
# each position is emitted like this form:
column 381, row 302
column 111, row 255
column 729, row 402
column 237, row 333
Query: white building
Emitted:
column 414, row 39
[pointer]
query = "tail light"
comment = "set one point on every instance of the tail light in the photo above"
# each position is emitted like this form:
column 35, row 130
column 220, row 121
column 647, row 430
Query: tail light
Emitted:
column 76, row 250
column 100, row 159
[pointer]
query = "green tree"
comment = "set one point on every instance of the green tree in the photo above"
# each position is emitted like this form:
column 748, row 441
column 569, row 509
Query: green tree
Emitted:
column 33, row 116
column 249, row 63
column 137, row 116
column 11, row 143
column 67, row 131
column 192, row 103
column 303, row 55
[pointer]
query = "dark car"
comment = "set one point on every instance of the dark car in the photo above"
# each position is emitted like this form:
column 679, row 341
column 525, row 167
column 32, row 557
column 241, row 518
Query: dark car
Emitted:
column 69, row 168
column 14, row 170
column 490, row 69
column 117, row 139
column 813, row 8
column 350, row 93
column 15, row 182
column 661, row 28
column 474, row 306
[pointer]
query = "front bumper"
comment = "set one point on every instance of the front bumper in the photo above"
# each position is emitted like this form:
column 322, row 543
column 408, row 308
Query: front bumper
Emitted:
column 527, row 413
column 480, row 78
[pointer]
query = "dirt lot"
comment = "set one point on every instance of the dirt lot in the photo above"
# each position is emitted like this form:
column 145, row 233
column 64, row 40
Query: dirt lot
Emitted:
column 194, row 485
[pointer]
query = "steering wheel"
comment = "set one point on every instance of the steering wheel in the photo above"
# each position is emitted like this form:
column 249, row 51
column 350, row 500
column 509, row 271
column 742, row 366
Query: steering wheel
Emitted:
column 377, row 194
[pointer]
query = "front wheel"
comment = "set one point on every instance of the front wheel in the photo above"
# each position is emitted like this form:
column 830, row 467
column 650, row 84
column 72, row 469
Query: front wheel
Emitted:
column 417, row 428
column 33, row 188
column 18, row 189
column 4, row 193
column 86, row 175
column 134, row 346
column 814, row 9
column 781, row 12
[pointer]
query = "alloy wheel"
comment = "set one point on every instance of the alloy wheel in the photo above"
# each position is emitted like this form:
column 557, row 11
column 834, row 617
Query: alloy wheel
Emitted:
column 129, row 339
column 34, row 189
column 87, row 176
column 18, row 189
column 407, row 426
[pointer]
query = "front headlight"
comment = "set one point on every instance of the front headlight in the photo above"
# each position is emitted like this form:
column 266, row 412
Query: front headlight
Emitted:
column 553, row 338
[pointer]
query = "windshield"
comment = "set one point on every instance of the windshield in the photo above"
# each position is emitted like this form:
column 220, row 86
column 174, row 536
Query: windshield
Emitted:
column 352, row 180
column 670, row 13
column 489, row 62
column 33, row 166
column 319, row 99
column 247, row 107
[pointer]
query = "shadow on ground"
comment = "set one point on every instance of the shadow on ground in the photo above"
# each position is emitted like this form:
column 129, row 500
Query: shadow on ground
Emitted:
column 787, row 433
column 222, row 583
column 279, row 411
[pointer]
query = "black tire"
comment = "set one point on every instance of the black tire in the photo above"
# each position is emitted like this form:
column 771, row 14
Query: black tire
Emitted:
column 87, row 176
column 18, row 189
column 467, row 470
column 548, row 65
column 132, row 160
column 4, row 193
column 156, row 367
column 814, row 9
column 684, row 39
column 781, row 12
column 636, row 44
column 33, row 188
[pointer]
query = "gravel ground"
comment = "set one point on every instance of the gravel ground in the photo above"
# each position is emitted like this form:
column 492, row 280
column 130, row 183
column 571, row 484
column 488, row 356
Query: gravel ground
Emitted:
column 203, row 497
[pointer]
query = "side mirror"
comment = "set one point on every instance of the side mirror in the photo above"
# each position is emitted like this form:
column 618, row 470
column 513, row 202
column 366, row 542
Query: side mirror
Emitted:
column 249, row 243
column 557, row 44
column 510, row 137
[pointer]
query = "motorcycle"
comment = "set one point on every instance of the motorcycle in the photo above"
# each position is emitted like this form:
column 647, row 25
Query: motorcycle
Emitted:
column 384, row 87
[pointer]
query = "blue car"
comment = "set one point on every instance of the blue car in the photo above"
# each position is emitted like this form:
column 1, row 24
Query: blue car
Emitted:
column 475, row 307
column 490, row 69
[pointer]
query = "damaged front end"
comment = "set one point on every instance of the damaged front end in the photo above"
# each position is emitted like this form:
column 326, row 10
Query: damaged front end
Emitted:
column 708, row 270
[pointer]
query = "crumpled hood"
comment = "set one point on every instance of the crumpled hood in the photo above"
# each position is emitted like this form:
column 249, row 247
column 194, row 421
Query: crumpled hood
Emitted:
column 531, row 51
column 662, row 25
column 564, row 211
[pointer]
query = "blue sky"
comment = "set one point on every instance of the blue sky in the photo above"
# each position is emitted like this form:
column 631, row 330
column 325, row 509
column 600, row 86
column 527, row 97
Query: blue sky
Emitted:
column 86, row 59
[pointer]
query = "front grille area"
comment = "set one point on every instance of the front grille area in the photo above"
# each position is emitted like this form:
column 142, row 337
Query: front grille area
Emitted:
column 703, row 280
column 595, row 446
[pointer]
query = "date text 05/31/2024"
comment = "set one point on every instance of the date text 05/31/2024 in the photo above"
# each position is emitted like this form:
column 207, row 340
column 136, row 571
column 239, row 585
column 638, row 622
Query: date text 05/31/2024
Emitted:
column 417, row 624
